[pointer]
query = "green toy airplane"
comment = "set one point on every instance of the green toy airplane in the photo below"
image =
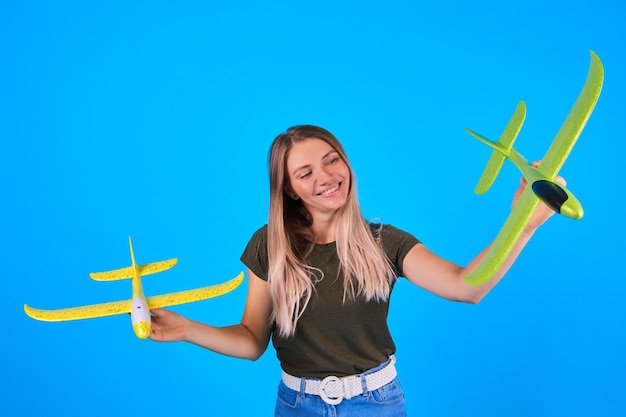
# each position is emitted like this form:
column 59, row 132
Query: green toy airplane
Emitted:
column 541, row 180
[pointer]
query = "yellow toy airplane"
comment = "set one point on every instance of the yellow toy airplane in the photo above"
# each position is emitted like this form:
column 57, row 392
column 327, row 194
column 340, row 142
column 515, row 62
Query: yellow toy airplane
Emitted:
column 139, row 306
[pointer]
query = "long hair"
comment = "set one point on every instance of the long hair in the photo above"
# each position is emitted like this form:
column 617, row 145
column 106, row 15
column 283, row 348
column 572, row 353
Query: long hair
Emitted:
column 366, row 269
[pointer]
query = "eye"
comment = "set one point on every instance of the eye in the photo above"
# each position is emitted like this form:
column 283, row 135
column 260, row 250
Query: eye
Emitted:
column 304, row 175
column 333, row 160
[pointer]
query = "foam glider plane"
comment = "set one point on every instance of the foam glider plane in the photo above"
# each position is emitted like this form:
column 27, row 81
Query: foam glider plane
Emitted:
column 541, row 180
column 138, row 306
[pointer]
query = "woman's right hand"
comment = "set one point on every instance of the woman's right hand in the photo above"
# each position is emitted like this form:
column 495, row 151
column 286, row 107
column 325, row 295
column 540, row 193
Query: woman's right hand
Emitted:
column 168, row 326
column 248, row 339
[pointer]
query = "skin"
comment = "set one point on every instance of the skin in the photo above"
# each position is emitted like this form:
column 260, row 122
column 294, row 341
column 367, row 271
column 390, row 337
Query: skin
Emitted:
column 321, row 179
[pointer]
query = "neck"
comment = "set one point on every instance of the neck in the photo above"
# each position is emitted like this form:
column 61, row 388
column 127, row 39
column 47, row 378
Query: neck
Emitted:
column 324, row 230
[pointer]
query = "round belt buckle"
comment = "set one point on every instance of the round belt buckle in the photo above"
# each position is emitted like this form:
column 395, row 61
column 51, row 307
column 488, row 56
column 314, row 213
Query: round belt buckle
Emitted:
column 324, row 396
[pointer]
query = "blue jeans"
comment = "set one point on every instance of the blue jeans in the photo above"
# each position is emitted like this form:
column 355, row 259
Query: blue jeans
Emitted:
column 386, row 401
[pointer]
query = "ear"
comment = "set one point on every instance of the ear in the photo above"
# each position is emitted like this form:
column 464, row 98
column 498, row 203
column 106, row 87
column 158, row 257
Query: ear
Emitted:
column 291, row 193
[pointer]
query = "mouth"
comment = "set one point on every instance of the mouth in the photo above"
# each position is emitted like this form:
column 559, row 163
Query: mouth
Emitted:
column 331, row 191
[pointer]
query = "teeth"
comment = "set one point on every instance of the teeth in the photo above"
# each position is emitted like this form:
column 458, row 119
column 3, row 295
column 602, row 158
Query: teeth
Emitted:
column 331, row 190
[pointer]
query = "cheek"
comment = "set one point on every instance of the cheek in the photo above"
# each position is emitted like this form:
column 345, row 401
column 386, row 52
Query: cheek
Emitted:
column 296, row 190
column 346, row 175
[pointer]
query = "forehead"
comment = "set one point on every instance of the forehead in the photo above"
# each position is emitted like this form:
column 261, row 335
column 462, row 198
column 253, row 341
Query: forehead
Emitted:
column 308, row 152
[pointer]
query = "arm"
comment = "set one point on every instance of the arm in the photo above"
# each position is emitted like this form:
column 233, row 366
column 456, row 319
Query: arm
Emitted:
column 248, row 339
column 446, row 279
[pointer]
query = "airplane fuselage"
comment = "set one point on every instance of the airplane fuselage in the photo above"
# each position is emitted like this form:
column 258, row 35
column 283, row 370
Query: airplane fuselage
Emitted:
column 553, row 194
column 140, row 314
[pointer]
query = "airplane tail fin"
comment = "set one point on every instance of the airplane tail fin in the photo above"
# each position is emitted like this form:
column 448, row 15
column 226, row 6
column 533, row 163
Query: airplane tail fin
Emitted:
column 130, row 271
column 502, row 148
column 132, row 253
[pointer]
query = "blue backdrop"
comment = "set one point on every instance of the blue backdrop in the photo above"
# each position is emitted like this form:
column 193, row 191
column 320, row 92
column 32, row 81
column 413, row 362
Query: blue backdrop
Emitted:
column 151, row 119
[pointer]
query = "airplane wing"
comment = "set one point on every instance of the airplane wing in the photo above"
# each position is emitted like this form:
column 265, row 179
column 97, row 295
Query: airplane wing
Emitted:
column 129, row 271
column 506, row 238
column 113, row 275
column 122, row 307
column 505, row 143
column 154, row 267
column 197, row 294
column 568, row 134
column 78, row 313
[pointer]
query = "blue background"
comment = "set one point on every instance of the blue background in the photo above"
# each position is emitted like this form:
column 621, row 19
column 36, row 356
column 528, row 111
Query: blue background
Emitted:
column 153, row 120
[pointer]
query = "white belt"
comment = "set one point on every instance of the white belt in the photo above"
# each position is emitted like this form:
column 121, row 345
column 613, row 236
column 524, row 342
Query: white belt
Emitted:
column 333, row 390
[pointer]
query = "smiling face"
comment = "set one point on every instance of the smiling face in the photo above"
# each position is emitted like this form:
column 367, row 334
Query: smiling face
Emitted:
column 318, row 176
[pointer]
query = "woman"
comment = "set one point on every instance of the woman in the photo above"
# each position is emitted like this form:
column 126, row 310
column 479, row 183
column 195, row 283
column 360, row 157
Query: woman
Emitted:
column 319, row 281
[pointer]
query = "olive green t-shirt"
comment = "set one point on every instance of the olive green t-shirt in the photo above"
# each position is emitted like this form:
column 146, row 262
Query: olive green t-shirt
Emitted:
column 333, row 337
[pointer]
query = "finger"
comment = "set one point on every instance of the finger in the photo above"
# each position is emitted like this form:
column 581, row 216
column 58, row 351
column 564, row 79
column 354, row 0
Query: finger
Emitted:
column 158, row 312
column 561, row 181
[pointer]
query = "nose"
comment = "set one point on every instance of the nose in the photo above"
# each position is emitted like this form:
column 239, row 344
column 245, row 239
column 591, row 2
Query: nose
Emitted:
column 142, row 329
column 323, row 176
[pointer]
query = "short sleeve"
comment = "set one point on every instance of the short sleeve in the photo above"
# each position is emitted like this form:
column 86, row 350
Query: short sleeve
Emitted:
column 255, row 255
column 396, row 244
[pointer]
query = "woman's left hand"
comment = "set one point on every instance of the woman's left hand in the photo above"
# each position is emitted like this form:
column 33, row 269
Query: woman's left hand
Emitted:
column 542, row 212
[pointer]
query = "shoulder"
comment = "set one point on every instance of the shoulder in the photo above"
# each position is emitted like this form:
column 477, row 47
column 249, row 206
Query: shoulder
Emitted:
column 258, row 241
column 389, row 234
column 255, row 254
column 395, row 242
column 260, row 234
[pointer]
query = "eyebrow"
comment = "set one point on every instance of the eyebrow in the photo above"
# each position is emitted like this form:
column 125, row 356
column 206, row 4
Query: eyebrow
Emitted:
column 330, row 152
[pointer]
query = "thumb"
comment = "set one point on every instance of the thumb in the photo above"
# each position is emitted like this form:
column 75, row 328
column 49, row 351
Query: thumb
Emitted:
column 158, row 312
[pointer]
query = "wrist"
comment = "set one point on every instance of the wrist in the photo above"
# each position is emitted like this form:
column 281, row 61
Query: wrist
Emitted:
column 188, row 330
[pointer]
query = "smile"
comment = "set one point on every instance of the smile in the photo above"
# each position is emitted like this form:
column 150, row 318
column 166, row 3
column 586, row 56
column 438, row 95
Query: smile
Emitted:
column 330, row 191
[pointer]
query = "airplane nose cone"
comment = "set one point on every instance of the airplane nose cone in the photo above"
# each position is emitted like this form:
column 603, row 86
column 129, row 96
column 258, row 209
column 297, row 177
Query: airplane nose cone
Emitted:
column 558, row 199
column 572, row 209
column 142, row 329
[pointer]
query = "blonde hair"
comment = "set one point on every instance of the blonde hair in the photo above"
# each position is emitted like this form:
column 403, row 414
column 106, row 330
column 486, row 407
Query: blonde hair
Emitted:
column 366, row 269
